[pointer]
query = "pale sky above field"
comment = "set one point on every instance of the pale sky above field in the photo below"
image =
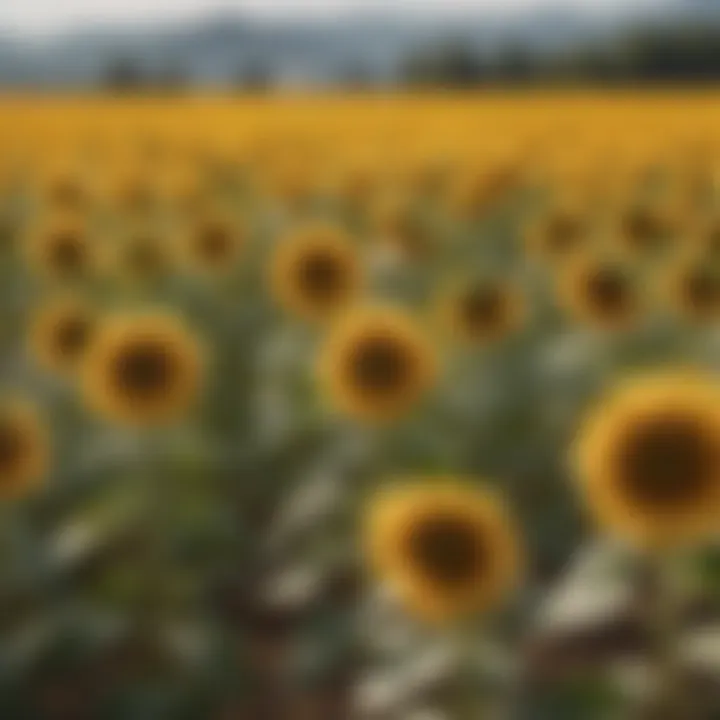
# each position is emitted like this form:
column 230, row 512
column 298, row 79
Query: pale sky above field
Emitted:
column 49, row 15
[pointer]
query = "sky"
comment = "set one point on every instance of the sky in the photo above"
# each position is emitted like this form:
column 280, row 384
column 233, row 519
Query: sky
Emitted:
column 41, row 16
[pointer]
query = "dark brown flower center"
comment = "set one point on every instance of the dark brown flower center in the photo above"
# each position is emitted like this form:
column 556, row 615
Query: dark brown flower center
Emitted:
column 702, row 289
column 563, row 232
column 643, row 227
column 713, row 239
column 608, row 290
column 447, row 550
column 380, row 364
column 666, row 461
column 145, row 370
column 321, row 276
column 72, row 335
column 12, row 446
column 483, row 307
column 215, row 242
column 145, row 257
column 68, row 253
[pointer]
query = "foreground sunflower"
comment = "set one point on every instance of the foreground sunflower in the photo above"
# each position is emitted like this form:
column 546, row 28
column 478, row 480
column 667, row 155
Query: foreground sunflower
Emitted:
column 60, row 333
column 61, row 250
column 447, row 549
column 648, row 459
column 142, row 369
column 376, row 364
column 600, row 291
column 315, row 272
column 24, row 449
column 480, row 311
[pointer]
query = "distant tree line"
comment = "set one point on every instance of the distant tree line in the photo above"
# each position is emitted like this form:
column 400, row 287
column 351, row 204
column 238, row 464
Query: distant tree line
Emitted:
column 125, row 75
column 689, row 54
column 667, row 54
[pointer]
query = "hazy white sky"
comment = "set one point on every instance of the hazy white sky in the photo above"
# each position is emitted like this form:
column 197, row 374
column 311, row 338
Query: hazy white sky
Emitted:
column 42, row 15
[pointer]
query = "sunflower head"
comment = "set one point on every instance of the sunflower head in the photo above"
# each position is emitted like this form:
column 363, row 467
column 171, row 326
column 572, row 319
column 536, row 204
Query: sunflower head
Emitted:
column 476, row 192
column 65, row 190
column 142, row 369
column 481, row 311
column 648, row 458
column 315, row 272
column 694, row 289
column 142, row 256
column 644, row 228
column 133, row 190
column 601, row 291
column 61, row 332
column 376, row 364
column 447, row 549
column 213, row 245
column 24, row 449
column 709, row 237
column 557, row 234
column 63, row 250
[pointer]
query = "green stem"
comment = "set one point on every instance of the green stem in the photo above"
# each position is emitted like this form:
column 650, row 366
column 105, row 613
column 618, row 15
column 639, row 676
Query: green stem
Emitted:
column 467, row 701
column 669, row 701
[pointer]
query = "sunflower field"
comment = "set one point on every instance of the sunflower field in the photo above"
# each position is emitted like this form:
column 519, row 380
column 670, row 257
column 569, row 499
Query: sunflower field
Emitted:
column 384, row 407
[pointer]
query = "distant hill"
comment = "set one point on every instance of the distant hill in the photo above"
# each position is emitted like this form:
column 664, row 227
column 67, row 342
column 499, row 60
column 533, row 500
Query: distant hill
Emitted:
column 225, row 49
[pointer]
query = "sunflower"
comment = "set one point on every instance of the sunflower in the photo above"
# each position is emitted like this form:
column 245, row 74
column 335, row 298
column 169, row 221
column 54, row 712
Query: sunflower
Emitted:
column 315, row 272
column 480, row 311
column 557, row 234
column 142, row 369
column 24, row 448
column 213, row 245
column 65, row 190
column 447, row 549
column 648, row 458
column 62, row 250
column 601, row 291
column 376, row 364
column 60, row 333
column 133, row 190
column 142, row 255
column 709, row 236
column 644, row 228
column 476, row 192
column 693, row 287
